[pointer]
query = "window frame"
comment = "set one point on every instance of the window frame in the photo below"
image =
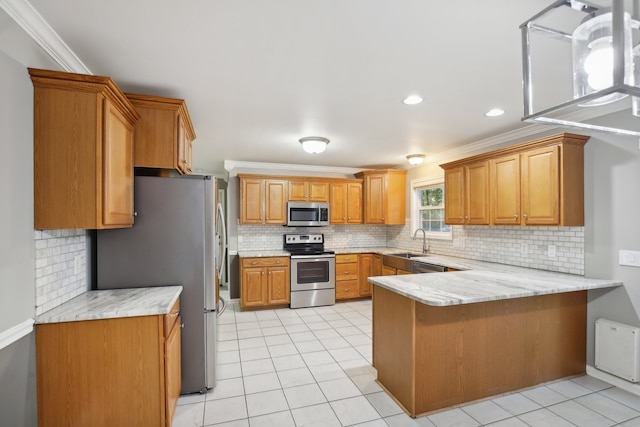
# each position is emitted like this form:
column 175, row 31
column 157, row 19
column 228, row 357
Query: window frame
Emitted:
column 415, row 205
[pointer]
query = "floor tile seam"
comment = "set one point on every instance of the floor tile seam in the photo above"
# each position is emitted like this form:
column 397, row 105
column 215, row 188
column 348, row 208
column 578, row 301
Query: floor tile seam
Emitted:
column 493, row 421
column 620, row 402
column 563, row 416
column 522, row 413
column 575, row 400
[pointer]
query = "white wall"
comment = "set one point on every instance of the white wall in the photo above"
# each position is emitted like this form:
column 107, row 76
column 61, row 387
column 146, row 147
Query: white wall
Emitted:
column 17, row 290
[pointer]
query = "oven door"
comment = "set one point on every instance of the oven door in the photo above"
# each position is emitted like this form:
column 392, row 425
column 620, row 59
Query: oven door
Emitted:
column 309, row 272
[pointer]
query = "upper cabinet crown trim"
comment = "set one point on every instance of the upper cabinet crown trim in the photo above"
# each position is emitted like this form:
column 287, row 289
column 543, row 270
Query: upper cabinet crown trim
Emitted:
column 561, row 138
column 162, row 103
column 85, row 83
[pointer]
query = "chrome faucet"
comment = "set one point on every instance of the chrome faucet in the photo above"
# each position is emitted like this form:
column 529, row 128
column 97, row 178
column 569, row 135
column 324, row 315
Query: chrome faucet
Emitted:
column 425, row 249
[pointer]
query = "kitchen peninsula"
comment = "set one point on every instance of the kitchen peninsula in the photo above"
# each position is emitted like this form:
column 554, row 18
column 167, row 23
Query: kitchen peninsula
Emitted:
column 444, row 339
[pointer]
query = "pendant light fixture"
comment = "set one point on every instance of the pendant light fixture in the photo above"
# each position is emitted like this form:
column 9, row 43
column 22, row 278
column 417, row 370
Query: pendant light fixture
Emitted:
column 314, row 144
column 605, row 65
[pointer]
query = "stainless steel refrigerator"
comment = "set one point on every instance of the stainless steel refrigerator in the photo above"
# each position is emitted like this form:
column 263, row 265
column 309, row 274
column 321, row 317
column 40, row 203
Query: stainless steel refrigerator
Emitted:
column 174, row 240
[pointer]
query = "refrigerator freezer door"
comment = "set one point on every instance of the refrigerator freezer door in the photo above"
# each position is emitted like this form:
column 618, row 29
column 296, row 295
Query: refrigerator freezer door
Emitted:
column 210, row 288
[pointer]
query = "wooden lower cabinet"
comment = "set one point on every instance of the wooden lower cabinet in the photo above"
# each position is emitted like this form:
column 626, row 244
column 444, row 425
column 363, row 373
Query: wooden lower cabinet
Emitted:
column 109, row 372
column 434, row 357
column 353, row 272
column 264, row 282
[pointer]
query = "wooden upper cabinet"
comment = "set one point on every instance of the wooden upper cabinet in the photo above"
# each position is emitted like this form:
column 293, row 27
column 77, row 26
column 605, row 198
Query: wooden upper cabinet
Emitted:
column 263, row 201
column 539, row 182
column 164, row 134
column 308, row 191
column 384, row 196
column 467, row 194
column 83, row 152
column 540, row 186
column 454, row 195
column 505, row 187
column 346, row 202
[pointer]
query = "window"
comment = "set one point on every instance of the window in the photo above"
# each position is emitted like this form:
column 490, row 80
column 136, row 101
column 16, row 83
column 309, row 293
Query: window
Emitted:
column 428, row 207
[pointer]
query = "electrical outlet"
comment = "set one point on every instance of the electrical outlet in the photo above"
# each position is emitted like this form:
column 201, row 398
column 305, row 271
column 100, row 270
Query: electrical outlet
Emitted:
column 551, row 251
column 77, row 265
column 524, row 249
column 631, row 258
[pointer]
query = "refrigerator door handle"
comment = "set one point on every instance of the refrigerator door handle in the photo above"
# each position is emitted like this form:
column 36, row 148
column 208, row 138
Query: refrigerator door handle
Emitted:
column 221, row 254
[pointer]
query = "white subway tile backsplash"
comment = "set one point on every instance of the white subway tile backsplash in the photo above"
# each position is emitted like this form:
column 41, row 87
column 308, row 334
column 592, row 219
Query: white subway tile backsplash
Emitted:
column 56, row 278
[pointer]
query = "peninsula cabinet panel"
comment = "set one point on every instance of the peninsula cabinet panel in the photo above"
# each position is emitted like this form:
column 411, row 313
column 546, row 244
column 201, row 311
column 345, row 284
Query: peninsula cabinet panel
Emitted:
column 83, row 152
column 489, row 348
column 164, row 133
column 109, row 372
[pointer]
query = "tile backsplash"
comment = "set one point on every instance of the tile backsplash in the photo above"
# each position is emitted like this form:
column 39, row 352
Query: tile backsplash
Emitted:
column 520, row 246
column 61, row 266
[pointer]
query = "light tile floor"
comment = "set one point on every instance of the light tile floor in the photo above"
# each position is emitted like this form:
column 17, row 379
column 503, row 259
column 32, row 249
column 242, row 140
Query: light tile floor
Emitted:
column 312, row 367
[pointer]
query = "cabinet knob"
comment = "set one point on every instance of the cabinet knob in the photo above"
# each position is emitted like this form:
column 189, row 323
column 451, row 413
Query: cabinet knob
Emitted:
column 347, row 289
column 182, row 325
column 176, row 314
column 347, row 272
column 466, row 217
column 516, row 216
column 184, row 161
column 524, row 216
column 459, row 217
column 263, row 273
column 254, row 262
column 135, row 213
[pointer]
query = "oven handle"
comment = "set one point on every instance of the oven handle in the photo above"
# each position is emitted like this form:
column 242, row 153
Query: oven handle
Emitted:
column 312, row 256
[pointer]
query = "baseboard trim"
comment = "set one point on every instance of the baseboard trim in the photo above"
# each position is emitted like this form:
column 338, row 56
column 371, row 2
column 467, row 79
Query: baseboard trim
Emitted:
column 613, row 380
column 16, row 332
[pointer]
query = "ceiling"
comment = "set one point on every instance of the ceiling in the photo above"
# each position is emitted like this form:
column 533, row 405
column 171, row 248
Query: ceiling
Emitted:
column 259, row 75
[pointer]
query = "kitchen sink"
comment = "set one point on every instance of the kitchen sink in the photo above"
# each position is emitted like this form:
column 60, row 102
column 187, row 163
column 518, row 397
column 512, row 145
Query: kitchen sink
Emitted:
column 408, row 255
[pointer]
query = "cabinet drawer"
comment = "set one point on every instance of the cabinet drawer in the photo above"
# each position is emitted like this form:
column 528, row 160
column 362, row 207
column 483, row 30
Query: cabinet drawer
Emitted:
column 265, row 262
column 347, row 271
column 171, row 317
column 340, row 259
column 347, row 289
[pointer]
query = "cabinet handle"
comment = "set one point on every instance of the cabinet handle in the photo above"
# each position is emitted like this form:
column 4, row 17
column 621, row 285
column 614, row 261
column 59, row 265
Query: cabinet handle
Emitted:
column 176, row 314
column 254, row 262
column 347, row 272
column 278, row 262
column 182, row 325
column 135, row 213
column 347, row 289
column 515, row 216
column 263, row 273
column 524, row 216
column 184, row 161
column 459, row 217
column 466, row 217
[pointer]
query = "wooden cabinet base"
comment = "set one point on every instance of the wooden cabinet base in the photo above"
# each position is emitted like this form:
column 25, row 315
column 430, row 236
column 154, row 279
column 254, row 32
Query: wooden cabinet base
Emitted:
column 113, row 372
column 431, row 358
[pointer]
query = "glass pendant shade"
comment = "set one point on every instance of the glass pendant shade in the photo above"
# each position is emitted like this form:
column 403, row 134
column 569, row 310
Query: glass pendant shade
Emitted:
column 593, row 58
column 314, row 144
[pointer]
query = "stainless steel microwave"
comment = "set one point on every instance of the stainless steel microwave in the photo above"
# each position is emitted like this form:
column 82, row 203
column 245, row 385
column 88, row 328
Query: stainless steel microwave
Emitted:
column 307, row 214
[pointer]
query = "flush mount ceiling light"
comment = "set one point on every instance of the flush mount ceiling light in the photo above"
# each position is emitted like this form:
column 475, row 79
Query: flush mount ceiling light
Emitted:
column 415, row 159
column 314, row 144
column 603, row 62
column 412, row 100
column 494, row 112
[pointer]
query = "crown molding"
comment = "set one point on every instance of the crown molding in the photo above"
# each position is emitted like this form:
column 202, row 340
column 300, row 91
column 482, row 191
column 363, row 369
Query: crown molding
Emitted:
column 232, row 166
column 24, row 14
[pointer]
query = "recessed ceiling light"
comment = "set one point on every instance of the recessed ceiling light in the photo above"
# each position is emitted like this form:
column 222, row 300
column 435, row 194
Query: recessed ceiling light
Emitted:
column 412, row 100
column 494, row 112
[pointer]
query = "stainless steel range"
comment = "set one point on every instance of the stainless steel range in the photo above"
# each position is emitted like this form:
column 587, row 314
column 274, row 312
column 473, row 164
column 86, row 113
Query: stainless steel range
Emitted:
column 313, row 270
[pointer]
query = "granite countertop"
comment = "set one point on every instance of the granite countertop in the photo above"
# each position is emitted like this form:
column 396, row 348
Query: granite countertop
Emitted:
column 482, row 281
column 115, row 303
column 263, row 253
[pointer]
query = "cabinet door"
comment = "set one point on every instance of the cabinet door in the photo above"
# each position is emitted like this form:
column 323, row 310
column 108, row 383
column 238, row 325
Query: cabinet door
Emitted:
column 117, row 173
column 172, row 372
column 253, row 288
column 376, row 266
column 298, row 191
column 252, row 199
column 374, row 199
column 338, row 203
column 364, row 265
column 278, row 285
column 354, row 203
column 318, row 191
column 388, row 271
column 505, row 186
column 275, row 202
column 454, row 195
column 540, row 186
column 477, row 193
